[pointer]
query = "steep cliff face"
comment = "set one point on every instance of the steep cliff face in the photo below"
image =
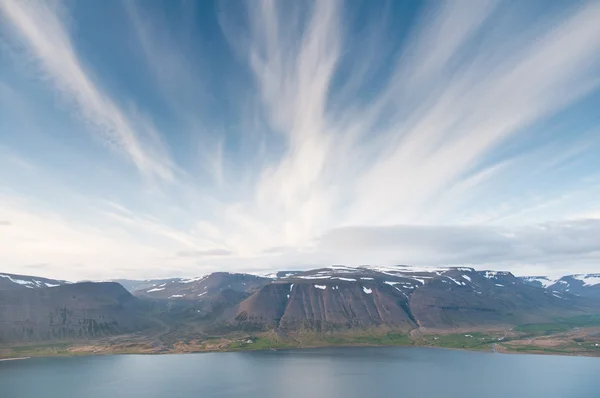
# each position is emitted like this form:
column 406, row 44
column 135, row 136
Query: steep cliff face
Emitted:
column 398, row 298
column 70, row 311
column 263, row 309
column 338, row 299
column 343, row 305
column 325, row 306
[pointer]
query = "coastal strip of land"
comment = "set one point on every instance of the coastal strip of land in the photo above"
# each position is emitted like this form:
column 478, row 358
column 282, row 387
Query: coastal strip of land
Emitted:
column 523, row 339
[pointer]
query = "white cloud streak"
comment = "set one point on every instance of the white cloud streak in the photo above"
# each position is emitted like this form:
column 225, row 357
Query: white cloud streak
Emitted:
column 38, row 26
column 404, row 173
column 544, row 247
column 107, row 244
column 454, row 117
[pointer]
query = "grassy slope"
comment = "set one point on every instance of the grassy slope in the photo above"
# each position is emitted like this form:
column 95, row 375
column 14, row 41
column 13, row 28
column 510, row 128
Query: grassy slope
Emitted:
column 576, row 335
column 560, row 325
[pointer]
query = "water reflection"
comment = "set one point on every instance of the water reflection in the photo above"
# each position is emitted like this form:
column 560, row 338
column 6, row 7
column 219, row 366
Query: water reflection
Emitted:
column 336, row 372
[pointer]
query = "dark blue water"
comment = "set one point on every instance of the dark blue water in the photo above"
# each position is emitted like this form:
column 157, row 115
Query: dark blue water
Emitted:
column 335, row 372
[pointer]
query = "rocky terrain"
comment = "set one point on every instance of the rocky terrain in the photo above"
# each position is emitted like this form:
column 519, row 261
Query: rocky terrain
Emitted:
column 399, row 301
column 402, row 298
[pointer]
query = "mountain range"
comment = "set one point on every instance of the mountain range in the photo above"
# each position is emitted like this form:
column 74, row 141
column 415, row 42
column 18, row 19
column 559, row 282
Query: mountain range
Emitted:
column 586, row 285
column 327, row 301
column 17, row 282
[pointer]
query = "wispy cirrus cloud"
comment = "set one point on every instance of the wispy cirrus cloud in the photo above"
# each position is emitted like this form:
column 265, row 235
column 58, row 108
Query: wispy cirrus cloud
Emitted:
column 96, row 246
column 336, row 134
column 451, row 108
column 522, row 249
column 38, row 28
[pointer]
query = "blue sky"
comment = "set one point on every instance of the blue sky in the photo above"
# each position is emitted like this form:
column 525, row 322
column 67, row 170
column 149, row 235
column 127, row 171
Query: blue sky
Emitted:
column 162, row 138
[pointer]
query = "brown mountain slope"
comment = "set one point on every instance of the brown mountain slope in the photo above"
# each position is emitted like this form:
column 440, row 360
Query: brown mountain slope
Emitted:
column 345, row 305
column 335, row 299
column 341, row 299
column 325, row 306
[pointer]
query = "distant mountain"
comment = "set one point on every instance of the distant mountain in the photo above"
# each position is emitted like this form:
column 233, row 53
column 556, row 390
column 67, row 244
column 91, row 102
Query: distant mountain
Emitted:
column 584, row 285
column 581, row 285
column 199, row 288
column 17, row 282
column 69, row 311
column 537, row 281
column 132, row 285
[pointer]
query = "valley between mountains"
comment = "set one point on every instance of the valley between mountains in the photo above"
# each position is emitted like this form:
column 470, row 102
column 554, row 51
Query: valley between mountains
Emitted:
column 453, row 307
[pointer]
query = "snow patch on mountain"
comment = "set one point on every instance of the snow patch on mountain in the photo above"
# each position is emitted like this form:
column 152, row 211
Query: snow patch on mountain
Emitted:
column 588, row 280
column 193, row 279
column 19, row 281
column 543, row 280
column 455, row 281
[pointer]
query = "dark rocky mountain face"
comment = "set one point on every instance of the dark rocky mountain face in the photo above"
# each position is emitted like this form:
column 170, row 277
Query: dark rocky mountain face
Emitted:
column 71, row 311
column 18, row 282
column 324, row 306
column 401, row 298
column 472, row 299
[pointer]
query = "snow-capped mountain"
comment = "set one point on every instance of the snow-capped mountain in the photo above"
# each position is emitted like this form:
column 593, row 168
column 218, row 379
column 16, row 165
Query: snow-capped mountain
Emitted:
column 12, row 282
column 585, row 285
column 337, row 298
column 538, row 281
column 202, row 287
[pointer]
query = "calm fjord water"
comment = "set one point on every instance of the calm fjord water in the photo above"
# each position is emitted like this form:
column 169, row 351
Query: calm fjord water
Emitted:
column 335, row 372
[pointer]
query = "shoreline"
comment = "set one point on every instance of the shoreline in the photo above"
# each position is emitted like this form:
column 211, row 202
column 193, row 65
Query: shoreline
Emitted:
column 490, row 341
column 306, row 347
